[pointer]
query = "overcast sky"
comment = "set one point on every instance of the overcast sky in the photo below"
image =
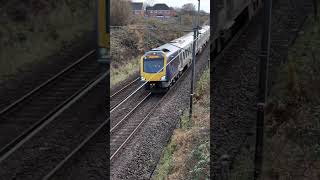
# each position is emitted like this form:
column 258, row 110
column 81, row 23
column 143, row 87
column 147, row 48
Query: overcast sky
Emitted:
column 204, row 4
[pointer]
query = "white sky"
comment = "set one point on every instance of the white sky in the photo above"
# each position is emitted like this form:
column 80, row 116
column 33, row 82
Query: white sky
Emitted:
column 204, row 4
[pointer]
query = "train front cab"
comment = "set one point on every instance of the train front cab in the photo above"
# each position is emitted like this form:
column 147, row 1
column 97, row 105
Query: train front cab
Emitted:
column 153, row 70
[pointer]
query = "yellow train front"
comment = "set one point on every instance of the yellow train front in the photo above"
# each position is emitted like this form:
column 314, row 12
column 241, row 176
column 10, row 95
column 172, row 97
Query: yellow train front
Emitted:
column 154, row 71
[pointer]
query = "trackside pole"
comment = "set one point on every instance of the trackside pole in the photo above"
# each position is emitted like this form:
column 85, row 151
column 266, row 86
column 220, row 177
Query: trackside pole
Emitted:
column 198, row 24
column 195, row 36
column 262, row 89
column 193, row 71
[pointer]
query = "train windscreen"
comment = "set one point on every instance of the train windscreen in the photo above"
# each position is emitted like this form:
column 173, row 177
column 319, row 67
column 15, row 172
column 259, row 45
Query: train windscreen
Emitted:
column 153, row 65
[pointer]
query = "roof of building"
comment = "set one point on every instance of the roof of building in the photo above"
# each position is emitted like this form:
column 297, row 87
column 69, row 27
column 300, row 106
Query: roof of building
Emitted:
column 158, row 7
column 136, row 6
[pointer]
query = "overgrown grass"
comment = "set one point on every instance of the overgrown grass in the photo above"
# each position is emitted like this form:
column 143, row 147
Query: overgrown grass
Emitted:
column 121, row 74
column 187, row 155
column 30, row 32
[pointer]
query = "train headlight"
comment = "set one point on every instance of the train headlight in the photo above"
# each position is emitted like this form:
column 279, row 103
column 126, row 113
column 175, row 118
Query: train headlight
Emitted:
column 163, row 78
column 142, row 78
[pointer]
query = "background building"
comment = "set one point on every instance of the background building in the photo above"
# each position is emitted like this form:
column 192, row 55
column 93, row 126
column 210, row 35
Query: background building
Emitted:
column 137, row 8
column 160, row 10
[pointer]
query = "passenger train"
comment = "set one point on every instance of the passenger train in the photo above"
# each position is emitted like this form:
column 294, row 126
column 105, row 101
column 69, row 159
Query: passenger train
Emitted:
column 162, row 66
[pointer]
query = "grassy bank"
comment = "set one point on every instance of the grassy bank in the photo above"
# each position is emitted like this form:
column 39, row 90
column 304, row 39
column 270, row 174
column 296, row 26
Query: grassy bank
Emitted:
column 30, row 31
column 187, row 155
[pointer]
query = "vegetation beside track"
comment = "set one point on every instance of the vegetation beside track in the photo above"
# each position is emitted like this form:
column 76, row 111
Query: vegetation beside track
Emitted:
column 31, row 31
column 187, row 155
column 292, row 124
column 292, row 140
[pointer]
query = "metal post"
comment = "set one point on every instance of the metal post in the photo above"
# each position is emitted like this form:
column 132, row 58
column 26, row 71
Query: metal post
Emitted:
column 198, row 24
column 195, row 35
column 262, row 91
column 198, row 14
column 193, row 71
column 103, row 32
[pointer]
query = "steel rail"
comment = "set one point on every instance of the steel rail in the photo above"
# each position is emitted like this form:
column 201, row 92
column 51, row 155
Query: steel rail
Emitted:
column 128, row 114
column 123, row 101
column 76, row 150
column 124, row 87
column 134, row 131
column 27, row 136
column 35, row 90
column 84, row 142
column 34, row 126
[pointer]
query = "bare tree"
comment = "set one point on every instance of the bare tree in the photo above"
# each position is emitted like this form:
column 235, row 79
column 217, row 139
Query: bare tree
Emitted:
column 149, row 2
column 120, row 12
column 188, row 8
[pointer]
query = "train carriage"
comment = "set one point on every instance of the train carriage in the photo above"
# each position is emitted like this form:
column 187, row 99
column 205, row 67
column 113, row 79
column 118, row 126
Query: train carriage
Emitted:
column 162, row 66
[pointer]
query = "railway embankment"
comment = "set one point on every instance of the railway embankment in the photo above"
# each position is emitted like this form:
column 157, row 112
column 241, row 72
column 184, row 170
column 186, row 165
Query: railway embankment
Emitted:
column 187, row 155
column 31, row 31
column 292, row 131
column 292, row 141
column 40, row 38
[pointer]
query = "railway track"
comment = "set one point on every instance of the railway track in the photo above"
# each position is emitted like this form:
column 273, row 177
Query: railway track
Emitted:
column 121, row 94
column 236, row 80
column 121, row 132
column 23, row 121
column 120, row 97
column 123, row 97
column 125, row 128
column 34, row 108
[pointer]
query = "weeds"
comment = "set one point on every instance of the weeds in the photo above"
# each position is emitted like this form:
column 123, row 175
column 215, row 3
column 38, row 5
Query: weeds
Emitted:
column 165, row 164
column 120, row 74
column 201, row 157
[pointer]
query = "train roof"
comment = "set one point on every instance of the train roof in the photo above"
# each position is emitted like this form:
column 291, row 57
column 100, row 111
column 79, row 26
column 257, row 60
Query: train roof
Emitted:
column 176, row 44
